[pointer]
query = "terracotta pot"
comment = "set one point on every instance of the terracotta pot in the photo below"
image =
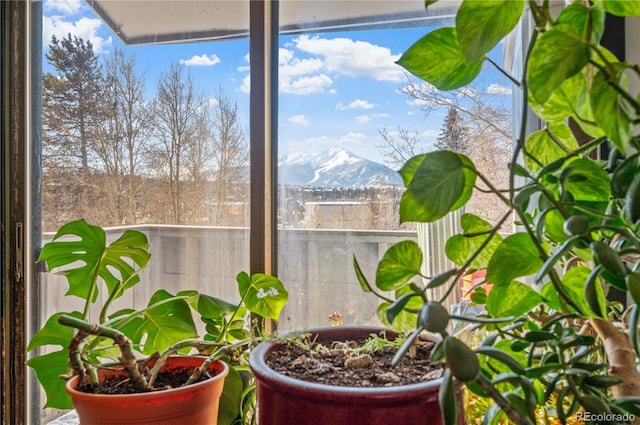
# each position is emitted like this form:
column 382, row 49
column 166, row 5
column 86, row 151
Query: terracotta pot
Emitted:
column 193, row 404
column 284, row 400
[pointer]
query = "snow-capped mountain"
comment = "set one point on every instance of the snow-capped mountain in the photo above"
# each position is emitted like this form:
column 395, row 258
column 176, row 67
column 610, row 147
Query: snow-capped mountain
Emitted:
column 334, row 168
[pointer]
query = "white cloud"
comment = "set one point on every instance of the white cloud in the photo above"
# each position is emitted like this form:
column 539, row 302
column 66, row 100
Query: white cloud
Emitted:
column 299, row 119
column 353, row 138
column 498, row 89
column 352, row 141
column 202, row 60
column 353, row 58
column 325, row 142
column 84, row 28
column 363, row 119
column 301, row 76
column 68, row 7
column 305, row 85
column 326, row 59
column 245, row 87
column 356, row 104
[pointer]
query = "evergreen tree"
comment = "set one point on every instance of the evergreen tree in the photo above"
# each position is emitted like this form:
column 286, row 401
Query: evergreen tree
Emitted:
column 452, row 135
column 72, row 109
column 71, row 103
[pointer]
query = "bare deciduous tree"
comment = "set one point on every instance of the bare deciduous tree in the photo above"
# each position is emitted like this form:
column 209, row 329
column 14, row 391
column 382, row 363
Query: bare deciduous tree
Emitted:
column 177, row 111
column 123, row 135
column 398, row 146
column 230, row 154
column 476, row 125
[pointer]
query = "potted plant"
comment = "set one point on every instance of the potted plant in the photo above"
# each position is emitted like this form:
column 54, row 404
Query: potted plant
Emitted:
column 556, row 344
column 339, row 396
column 96, row 346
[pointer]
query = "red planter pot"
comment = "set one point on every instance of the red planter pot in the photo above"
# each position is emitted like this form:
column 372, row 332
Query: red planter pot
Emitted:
column 284, row 400
column 192, row 405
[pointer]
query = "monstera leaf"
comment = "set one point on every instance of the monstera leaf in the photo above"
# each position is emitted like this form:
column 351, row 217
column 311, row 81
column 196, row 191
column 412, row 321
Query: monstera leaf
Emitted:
column 117, row 264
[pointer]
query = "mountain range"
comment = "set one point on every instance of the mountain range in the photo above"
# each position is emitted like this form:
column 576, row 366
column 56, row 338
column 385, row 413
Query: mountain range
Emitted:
column 334, row 168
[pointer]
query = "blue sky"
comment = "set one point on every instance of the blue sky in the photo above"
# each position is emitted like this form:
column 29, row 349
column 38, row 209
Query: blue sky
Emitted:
column 336, row 89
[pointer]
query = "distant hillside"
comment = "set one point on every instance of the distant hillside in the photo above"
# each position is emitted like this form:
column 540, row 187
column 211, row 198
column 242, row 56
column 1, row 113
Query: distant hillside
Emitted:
column 334, row 168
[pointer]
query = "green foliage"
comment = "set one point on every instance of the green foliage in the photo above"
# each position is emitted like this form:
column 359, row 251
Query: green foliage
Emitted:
column 166, row 325
column 436, row 184
column 578, row 218
column 100, row 261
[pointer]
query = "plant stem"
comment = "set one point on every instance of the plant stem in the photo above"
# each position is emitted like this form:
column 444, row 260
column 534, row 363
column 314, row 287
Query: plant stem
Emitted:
column 113, row 295
column 491, row 233
column 622, row 359
column 227, row 349
column 503, row 403
column 128, row 357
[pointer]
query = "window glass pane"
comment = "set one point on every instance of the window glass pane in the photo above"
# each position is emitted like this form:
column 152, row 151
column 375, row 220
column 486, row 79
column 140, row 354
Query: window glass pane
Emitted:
column 150, row 137
column 349, row 117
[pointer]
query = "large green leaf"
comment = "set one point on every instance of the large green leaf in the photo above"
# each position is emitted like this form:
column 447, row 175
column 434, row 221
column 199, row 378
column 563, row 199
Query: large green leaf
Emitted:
column 48, row 369
column 459, row 248
column 263, row 294
column 80, row 242
column 400, row 263
column 214, row 308
column 588, row 181
column 573, row 282
column 231, row 398
column 548, row 145
column 53, row 333
column 504, row 345
column 515, row 257
column 405, row 321
column 622, row 7
column 569, row 100
column 610, row 111
column 513, row 299
column 166, row 320
column 437, row 59
column 481, row 24
column 559, row 54
column 589, row 21
column 436, row 186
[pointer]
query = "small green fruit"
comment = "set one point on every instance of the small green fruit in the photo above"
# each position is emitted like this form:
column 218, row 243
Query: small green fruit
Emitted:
column 633, row 285
column 609, row 259
column 434, row 317
column 594, row 404
column 461, row 360
column 576, row 225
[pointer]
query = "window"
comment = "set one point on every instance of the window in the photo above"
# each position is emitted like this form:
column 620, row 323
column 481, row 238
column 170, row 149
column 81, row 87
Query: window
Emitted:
column 214, row 210
column 349, row 117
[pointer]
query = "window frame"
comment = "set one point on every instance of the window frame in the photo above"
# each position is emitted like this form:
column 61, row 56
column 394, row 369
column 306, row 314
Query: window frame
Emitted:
column 21, row 29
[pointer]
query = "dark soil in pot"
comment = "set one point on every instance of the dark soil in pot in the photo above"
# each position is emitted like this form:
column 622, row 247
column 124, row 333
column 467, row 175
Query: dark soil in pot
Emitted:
column 284, row 399
column 165, row 380
column 351, row 364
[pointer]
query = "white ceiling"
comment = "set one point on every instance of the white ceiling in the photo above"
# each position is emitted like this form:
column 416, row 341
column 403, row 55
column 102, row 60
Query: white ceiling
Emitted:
column 174, row 21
